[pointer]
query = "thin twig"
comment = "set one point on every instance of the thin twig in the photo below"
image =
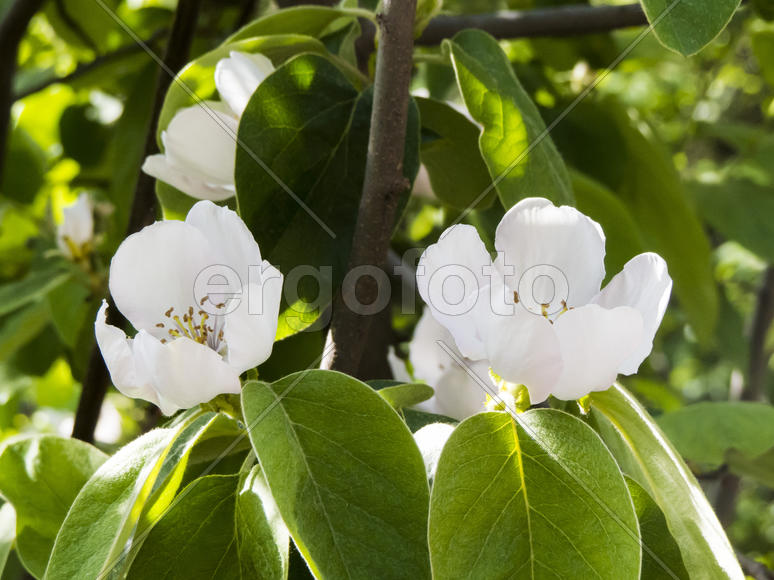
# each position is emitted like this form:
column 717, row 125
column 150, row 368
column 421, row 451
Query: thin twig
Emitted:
column 12, row 29
column 87, row 67
column 383, row 185
column 143, row 213
column 753, row 568
column 730, row 484
column 564, row 21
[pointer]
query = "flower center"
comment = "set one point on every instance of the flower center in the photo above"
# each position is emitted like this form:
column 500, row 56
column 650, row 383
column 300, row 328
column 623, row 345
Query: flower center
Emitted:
column 195, row 325
column 551, row 317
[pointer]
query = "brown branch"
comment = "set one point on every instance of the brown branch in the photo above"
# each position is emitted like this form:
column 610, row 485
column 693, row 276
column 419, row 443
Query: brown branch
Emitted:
column 74, row 26
column 753, row 568
column 143, row 212
column 565, row 21
column 730, row 484
column 12, row 29
column 384, row 181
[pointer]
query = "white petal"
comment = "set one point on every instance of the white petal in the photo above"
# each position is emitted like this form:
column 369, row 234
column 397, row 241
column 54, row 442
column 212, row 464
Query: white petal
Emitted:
column 127, row 372
column 397, row 366
column 457, row 394
column 78, row 221
column 155, row 270
column 427, row 357
column 535, row 233
column 232, row 243
column 430, row 439
column 186, row 373
column 523, row 349
column 200, row 141
column 594, row 341
column 644, row 284
column 251, row 328
column 158, row 166
column 451, row 280
column 238, row 76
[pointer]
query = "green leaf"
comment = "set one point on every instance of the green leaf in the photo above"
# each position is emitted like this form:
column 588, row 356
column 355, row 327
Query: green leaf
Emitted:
column 345, row 472
column 33, row 286
column 314, row 21
column 451, row 156
column 704, row 432
column 645, row 454
column 7, row 532
column 760, row 468
column 687, row 26
column 534, row 497
column 623, row 238
column 214, row 529
column 600, row 137
column 727, row 208
column 309, row 127
column 24, row 169
column 763, row 49
column 415, row 420
column 661, row 557
column 122, row 500
column 40, row 476
column 407, row 395
column 521, row 157
column 71, row 308
column 21, row 327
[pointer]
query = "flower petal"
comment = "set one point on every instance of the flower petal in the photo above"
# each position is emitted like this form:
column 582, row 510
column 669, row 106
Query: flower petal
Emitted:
column 187, row 373
column 127, row 372
column 77, row 222
column 201, row 142
column 534, row 233
column 238, row 76
column 250, row 329
column 523, row 349
column 155, row 270
column 232, row 243
column 594, row 341
column 457, row 394
column 451, row 280
column 644, row 284
column 430, row 439
column 158, row 166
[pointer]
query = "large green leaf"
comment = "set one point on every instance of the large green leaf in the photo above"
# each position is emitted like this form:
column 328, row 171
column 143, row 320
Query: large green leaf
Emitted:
column 600, row 137
column 40, row 476
column 214, row 529
column 704, row 432
column 727, row 208
column 760, row 468
column 300, row 171
column 646, row 455
column 623, row 240
column 451, row 156
column 345, row 472
column 33, row 286
column 522, row 159
column 687, row 26
column 19, row 328
column 315, row 21
column 123, row 499
column 661, row 557
column 537, row 496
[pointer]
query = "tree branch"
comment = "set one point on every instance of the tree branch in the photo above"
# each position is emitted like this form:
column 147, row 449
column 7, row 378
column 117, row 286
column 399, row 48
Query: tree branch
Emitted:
column 730, row 484
column 12, row 30
column 74, row 26
column 384, row 181
column 144, row 209
column 565, row 21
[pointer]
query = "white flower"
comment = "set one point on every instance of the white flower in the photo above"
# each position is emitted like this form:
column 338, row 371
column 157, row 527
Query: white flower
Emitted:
column 76, row 232
column 536, row 313
column 200, row 141
column 457, row 394
column 192, row 343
